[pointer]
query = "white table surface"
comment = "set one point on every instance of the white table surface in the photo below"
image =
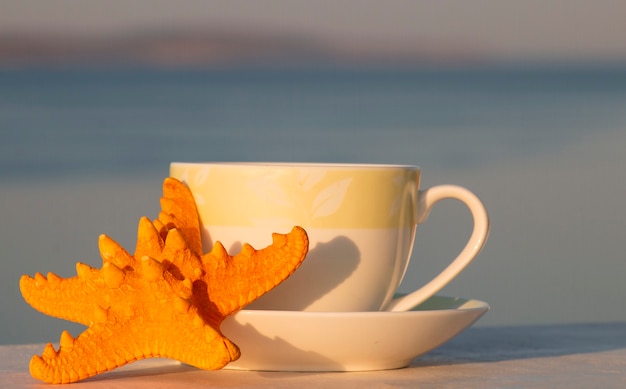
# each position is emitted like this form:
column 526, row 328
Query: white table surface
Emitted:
column 553, row 356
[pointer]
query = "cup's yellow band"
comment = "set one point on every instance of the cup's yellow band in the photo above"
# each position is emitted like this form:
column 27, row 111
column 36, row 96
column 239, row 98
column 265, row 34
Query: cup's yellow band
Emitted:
column 319, row 196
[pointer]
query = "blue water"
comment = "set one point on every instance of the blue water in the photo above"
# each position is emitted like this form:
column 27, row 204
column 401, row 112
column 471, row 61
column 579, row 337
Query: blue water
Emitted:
column 83, row 152
column 68, row 123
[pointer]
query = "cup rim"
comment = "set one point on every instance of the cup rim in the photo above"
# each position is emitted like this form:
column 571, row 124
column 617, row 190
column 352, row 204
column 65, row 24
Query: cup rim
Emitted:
column 343, row 165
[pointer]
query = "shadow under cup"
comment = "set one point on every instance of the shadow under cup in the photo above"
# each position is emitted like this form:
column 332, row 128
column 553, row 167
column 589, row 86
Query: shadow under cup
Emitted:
column 360, row 220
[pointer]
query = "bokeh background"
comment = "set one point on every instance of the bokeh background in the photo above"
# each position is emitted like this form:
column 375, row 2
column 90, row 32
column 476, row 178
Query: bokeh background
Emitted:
column 523, row 102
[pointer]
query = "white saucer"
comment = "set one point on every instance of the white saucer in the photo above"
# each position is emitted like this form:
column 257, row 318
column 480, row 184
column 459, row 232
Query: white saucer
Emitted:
column 346, row 341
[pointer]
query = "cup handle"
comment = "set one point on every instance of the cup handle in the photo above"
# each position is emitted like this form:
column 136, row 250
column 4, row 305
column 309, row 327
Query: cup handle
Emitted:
column 428, row 198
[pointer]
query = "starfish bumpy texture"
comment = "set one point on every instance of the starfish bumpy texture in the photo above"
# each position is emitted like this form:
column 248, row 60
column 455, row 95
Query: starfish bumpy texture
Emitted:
column 167, row 300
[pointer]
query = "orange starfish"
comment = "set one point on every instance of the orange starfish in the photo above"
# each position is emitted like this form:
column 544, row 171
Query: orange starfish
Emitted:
column 166, row 300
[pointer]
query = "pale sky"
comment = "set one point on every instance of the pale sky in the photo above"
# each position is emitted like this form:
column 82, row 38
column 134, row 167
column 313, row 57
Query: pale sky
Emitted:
column 510, row 29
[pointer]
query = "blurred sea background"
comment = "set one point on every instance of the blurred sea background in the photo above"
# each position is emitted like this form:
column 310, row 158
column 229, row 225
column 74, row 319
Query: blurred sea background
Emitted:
column 90, row 121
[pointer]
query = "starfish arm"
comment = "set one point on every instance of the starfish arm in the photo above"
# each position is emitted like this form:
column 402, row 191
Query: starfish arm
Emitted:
column 78, row 299
column 82, row 299
column 106, row 346
column 98, row 349
column 252, row 273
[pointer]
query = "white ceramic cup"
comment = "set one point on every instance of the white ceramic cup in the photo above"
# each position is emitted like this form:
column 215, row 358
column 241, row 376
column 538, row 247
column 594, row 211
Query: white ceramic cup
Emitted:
column 360, row 219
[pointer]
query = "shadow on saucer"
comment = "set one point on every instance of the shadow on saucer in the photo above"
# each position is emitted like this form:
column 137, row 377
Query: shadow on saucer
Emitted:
column 492, row 344
column 263, row 353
